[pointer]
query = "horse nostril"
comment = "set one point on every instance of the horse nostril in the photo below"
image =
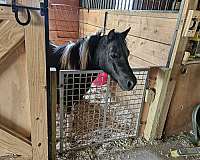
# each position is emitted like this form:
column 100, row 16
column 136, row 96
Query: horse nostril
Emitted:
column 130, row 84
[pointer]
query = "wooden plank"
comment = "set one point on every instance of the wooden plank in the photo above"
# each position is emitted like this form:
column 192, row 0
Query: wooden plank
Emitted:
column 186, row 96
column 36, row 66
column 165, row 109
column 15, row 106
column 150, row 52
column 11, row 36
column 14, row 133
column 53, row 112
column 156, row 106
column 160, row 116
column 14, row 145
column 158, row 27
column 6, row 13
column 136, row 62
column 149, row 39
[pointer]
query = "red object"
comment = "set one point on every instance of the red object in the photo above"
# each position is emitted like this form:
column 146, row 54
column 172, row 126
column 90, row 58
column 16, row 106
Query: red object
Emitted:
column 101, row 79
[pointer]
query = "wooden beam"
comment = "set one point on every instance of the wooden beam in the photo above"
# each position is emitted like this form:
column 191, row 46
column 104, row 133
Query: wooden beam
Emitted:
column 36, row 66
column 6, row 13
column 11, row 36
column 14, row 133
column 157, row 116
column 155, row 26
column 176, row 61
column 149, row 39
column 14, row 145
column 157, row 105
column 53, row 111
column 165, row 109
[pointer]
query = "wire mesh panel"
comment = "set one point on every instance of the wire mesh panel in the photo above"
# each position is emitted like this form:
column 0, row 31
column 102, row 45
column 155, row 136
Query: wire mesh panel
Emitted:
column 95, row 114
column 132, row 4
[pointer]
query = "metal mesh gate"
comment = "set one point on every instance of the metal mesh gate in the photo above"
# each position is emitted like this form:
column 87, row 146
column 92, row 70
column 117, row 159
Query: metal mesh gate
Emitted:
column 95, row 114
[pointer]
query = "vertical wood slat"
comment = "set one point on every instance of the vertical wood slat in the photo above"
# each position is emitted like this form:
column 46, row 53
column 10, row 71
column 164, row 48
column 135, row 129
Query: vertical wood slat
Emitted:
column 53, row 80
column 36, row 66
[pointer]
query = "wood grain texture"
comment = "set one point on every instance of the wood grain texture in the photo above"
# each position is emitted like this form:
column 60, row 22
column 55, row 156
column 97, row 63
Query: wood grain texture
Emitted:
column 14, row 98
column 11, row 35
column 158, row 27
column 149, row 40
column 36, row 66
column 54, row 110
column 186, row 94
column 156, row 106
column 14, row 145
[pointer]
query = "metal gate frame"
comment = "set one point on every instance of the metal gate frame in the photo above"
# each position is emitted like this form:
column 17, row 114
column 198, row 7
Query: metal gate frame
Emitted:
column 62, row 73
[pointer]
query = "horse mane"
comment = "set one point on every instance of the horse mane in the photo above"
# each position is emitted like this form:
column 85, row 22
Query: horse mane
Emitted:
column 79, row 49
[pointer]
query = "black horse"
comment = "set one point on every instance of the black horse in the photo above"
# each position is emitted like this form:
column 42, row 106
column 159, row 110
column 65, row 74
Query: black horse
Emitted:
column 108, row 53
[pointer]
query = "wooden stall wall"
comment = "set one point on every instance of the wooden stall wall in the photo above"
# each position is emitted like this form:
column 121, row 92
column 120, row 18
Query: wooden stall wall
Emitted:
column 149, row 40
column 185, row 97
column 63, row 20
column 23, row 100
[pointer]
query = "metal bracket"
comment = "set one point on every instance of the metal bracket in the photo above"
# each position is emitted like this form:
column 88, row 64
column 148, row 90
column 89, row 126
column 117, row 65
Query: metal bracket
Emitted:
column 192, row 23
column 16, row 8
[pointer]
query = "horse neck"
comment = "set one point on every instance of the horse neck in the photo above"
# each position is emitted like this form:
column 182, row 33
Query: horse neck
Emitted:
column 93, row 57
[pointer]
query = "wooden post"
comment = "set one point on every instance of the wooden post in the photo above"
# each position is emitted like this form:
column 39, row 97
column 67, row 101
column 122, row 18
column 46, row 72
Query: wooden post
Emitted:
column 53, row 111
column 185, row 89
column 156, row 106
column 36, row 67
column 166, row 82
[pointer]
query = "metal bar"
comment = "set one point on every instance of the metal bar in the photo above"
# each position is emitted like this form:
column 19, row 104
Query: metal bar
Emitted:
column 91, row 4
column 141, row 5
column 131, row 5
column 80, row 71
column 98, row 4
column 111, row 3
column 142, row 104
column 116, row 5
column 106, row 4
column 124, row 4
column 152, row 6
column 175, row 34
column 105, row 23
column 105, row 108
column 166, row 4
column 20, row 6
column 61, row 82
column 50, row 111
column 103, row 5
column 160, row 5
column 138, row 4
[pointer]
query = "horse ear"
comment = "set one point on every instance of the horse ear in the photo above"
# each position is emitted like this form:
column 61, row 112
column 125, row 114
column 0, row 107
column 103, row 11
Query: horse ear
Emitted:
column 111, row 34
column 125, row 33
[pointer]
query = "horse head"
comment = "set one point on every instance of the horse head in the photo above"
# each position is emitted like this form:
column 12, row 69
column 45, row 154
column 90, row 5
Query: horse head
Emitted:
column 111, row 56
